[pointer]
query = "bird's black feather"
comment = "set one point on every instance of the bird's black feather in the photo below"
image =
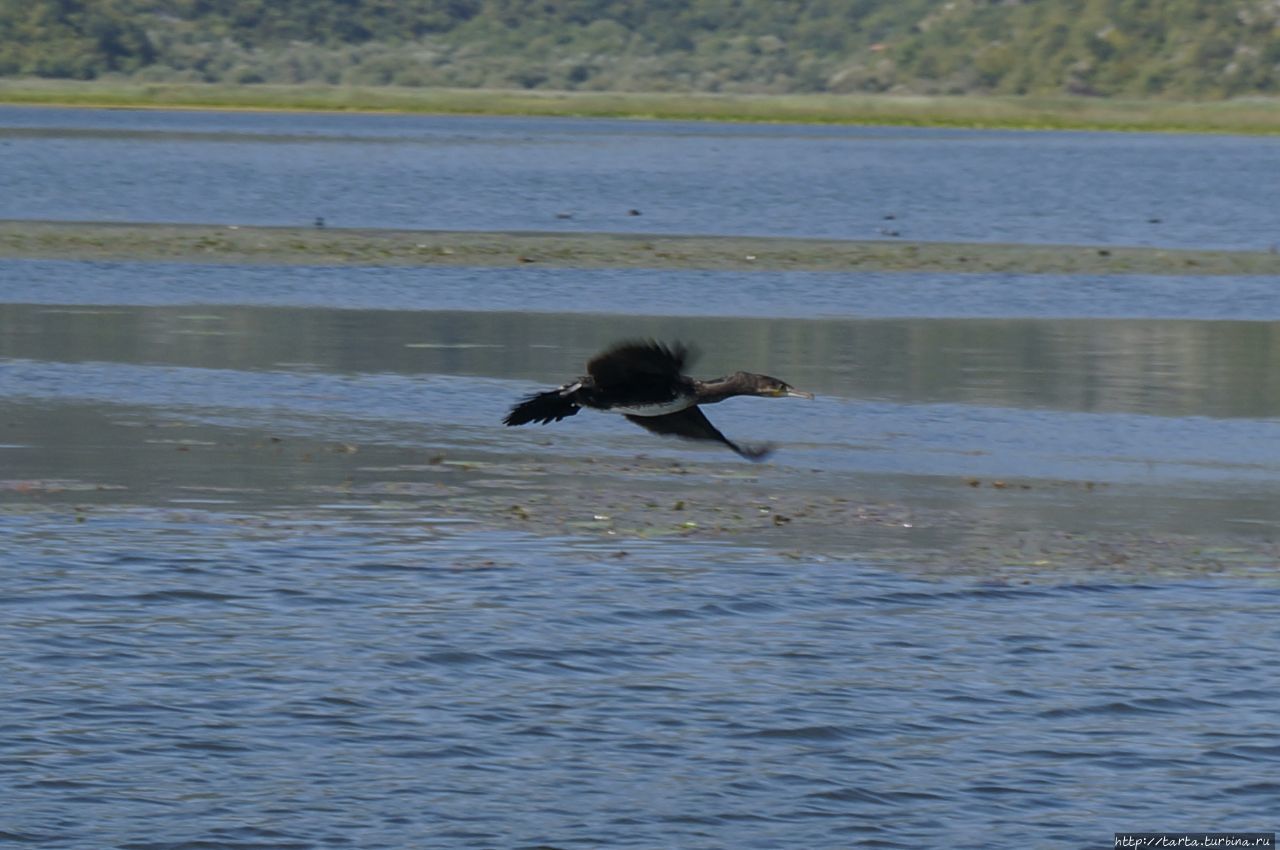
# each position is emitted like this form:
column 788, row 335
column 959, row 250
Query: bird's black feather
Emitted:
column 626, row 361
column 636, row 373
column 693, row 424
column 541, row 408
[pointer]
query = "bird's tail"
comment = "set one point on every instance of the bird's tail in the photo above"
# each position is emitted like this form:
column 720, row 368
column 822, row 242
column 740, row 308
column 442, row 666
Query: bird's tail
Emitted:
column 546, row 407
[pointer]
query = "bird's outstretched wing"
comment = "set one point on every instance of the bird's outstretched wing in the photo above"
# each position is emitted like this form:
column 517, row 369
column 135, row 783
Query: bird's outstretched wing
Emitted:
column 693, row 424
column 551, row 406
column 639, row 361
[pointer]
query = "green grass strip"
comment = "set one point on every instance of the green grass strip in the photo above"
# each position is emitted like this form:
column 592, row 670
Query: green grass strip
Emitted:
column 1254, row 116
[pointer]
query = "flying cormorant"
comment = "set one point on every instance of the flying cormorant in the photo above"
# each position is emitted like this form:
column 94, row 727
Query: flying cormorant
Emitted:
column 643, row 381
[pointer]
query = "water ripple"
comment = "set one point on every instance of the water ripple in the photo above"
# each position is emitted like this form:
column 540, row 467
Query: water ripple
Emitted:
column 689, row 694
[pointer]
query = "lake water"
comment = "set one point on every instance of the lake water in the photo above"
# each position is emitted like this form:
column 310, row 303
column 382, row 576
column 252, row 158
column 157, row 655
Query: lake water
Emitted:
column 277, row 577
column 523, row 174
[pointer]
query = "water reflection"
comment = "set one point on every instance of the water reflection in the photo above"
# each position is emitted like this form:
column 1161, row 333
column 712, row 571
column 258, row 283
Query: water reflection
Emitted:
column 909, row 410
column 1170, row 368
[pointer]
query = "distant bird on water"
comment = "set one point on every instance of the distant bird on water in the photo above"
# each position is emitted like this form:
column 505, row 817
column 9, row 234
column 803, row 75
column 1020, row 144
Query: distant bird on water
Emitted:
column 643, row 381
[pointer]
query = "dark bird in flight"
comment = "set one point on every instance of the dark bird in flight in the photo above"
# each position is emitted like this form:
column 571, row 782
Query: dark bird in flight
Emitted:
column 644, row 381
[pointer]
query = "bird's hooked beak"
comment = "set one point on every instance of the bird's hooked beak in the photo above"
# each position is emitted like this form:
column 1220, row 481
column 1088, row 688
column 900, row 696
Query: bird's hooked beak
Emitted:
column 792, row 392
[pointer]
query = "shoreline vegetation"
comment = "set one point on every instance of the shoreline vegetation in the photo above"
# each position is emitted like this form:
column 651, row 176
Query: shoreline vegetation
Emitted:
column 1238, row 116
column 258, row 245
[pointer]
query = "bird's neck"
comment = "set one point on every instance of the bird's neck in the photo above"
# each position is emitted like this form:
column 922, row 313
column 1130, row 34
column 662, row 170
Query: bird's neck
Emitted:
column 718, row 389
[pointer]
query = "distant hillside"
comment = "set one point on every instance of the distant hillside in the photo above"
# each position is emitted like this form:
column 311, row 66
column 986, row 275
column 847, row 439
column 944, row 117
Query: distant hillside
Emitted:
column 1150, row 48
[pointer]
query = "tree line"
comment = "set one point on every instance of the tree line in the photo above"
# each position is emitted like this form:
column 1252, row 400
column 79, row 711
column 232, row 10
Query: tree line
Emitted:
column 1145, row 48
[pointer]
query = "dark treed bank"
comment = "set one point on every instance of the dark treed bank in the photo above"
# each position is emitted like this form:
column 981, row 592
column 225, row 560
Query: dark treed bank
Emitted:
column 1182, row 49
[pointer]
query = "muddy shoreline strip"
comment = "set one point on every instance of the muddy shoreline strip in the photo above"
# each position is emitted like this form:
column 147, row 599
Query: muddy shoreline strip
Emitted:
column 330, row 246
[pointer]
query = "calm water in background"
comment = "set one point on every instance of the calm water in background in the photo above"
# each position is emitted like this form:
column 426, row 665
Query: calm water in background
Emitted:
column 521, row 174
column 209, row 643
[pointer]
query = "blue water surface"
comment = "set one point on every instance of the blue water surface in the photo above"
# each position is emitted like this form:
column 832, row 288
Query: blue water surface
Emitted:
column 428, row 172
column 681, row 292
column 255, row 595
column 191, row 679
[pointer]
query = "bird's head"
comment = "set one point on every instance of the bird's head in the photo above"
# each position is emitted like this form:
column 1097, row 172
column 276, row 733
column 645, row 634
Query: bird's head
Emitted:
column 763, row 385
